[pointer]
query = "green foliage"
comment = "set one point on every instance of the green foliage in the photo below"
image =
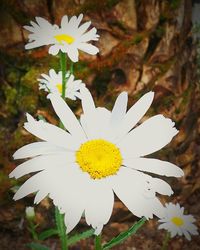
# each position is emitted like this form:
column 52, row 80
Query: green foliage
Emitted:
column 77, row 237
column 47, row 233
column 174, row 4
column 10, row 95
column 137, row 39
column 61, row 228
column 111, row 3
column 124, row 235
column 37, row 246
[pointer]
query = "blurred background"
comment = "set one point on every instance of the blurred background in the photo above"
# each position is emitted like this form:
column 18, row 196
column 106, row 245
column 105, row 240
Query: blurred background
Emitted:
column 144, row 45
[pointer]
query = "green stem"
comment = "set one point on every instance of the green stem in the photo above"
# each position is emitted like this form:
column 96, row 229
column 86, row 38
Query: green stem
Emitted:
column 71, row 68
column 58, row 216
column 124, row 235
column 166, row 241
column 98, row 242
column 32, row 227
column 63, row 66
column 61, row 229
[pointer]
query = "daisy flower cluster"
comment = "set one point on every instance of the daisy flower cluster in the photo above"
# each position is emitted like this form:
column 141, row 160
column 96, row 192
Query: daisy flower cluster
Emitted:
column 101, row 153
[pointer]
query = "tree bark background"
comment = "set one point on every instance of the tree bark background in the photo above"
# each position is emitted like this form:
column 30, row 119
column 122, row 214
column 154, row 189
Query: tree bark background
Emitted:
column 144, row 45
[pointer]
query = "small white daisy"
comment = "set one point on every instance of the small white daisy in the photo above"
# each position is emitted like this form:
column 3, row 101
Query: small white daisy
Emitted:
column 175, row 222
column 53, row 83
column 69, row 38
column 102, row 154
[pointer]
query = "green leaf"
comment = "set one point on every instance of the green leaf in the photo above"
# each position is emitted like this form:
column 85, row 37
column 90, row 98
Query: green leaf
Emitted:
column 73, row 239
column 61, row 228
column 37, row 246
column 60, row 223
column 124, row 235
column 47, row 233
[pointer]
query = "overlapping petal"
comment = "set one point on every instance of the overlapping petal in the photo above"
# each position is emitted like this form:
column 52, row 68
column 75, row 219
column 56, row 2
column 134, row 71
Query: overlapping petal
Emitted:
column 154, row 166
column 152, row 135
column 67, row 117
column 51, row 133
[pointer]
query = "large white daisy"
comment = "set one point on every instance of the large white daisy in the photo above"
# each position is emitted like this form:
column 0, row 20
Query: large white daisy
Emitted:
column 175, row 222
column 69, row 38
column 53, row 83
column 82, row 168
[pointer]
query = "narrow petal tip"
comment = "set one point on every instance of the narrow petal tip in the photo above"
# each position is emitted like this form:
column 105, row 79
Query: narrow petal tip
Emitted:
column 11, row 175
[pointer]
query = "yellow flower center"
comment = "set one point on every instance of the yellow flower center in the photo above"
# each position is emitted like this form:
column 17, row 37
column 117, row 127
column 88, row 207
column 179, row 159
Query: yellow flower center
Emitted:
column 59, row 87
column 99, row 158
column 177, row 221
column 64, row 38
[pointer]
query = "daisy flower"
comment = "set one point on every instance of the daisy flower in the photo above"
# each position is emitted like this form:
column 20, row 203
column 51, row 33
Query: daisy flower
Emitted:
column 53, row 83
column 81, row 168
column 175, row 222
column 69, row 38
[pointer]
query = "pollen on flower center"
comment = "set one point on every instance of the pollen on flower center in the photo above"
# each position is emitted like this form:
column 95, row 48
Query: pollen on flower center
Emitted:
column 99, row 158
column 177, row 221
column 59, row 87
column 64, row 38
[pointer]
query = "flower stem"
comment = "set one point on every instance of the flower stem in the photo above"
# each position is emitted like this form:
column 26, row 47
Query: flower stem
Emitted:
column 71, row 68
column 98, row 242
column 61, row 229
column 32, row 228
column 58, row 216
column 63, row 66
column 166, row 241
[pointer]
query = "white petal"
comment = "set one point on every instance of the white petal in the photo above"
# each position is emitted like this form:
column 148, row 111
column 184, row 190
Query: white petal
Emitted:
column 150, row 136
column 54, row 49
column 187, row 235
column 41, row 194
column 78, row 20
column 73, row 54
column 29, row 28
column 154, row 166
column 97, row 125
column 99, row 205
column 32, row 185
column 88, row 48
column 89, row 35
column 127, row 181
column 119, row 109
column 43, row 22
column 34, row 44
column 191, row 228
column 84, row 27
column 69, row 193
column 67, row 117
column 134, row 114
column 73, row 216
column 161, row 186
column 42, row 162
column 87, row 101
column 36, row 148
column 64, row 21
column 51, row 133
column 163, row 226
